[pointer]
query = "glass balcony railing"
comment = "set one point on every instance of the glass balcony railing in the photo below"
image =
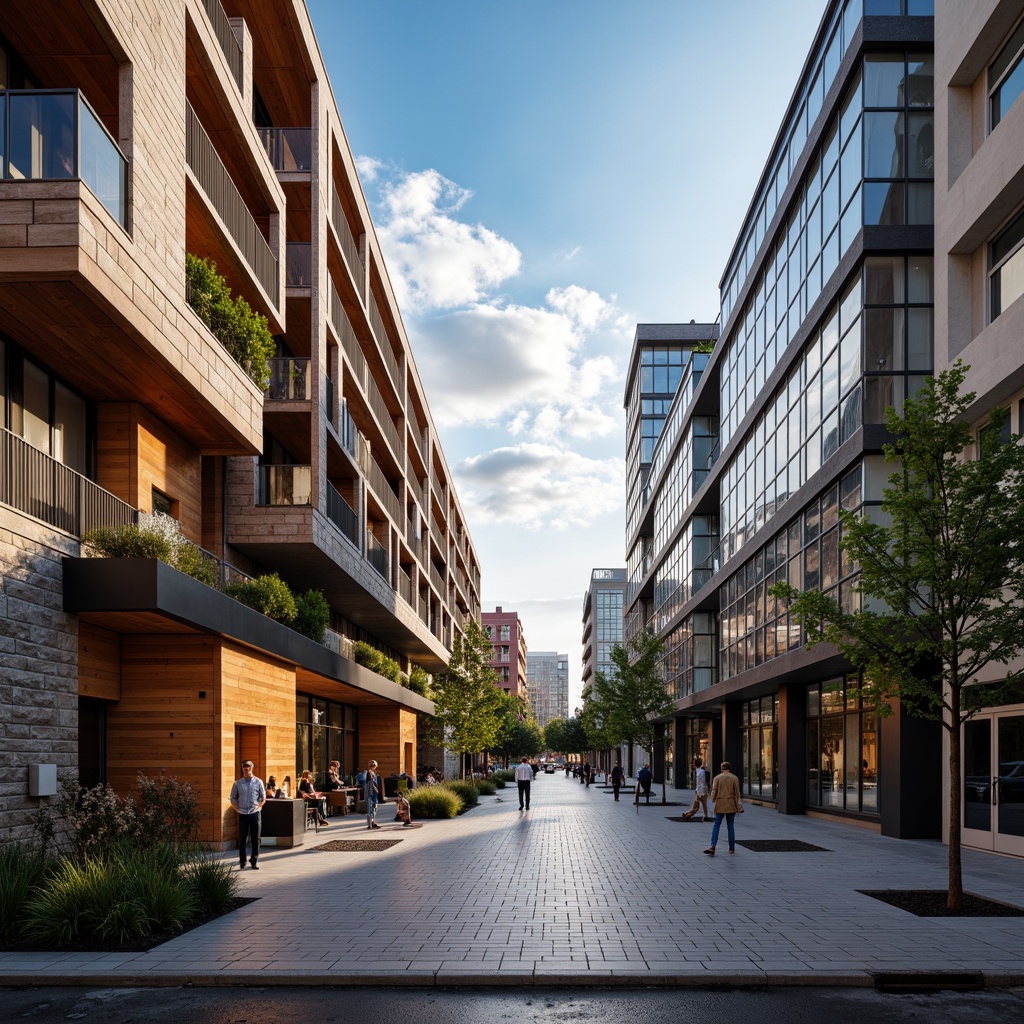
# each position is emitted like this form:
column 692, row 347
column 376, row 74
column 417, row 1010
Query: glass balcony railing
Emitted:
column 289, row 380
column 284, row 485
column 55, row 135
column 289, row 149
column 341, row 513
column 298, row 265
column 377, row 554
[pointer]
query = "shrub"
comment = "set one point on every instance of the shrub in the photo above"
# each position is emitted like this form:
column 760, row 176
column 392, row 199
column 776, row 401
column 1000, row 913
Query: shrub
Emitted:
column 21, row 871
column 212, row 885
column 504, row 775
column 377, row 662
column 434, row 802
column 167, row 813
column 485, row 787
column 268, row 594
column 241, row 330
column 467, row 791
column 155, row 536
column 497, row 783
column 312, row 615
column 419, row 681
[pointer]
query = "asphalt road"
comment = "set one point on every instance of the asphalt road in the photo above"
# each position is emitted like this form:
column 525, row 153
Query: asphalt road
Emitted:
column 537, row 1006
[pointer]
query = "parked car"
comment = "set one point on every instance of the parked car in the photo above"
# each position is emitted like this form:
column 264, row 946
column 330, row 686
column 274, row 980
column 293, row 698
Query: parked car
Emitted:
column 977, row 788
column 549, row 768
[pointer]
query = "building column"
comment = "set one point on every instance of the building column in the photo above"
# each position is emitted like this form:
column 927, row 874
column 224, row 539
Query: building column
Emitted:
column 910, row 772
column 792, row 753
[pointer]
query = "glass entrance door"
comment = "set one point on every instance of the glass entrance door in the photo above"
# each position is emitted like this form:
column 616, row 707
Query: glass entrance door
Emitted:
column 993, row 783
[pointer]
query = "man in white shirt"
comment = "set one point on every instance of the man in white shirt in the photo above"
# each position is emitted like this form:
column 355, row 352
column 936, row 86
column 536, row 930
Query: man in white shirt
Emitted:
column 524, row 776
column 700, row 793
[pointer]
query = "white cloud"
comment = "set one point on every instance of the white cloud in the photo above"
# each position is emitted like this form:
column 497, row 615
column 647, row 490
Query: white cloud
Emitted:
column 436, row 261
column 540, row 486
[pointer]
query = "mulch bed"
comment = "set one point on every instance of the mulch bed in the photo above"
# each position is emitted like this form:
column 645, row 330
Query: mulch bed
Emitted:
column 140, row 945
column 779, row 846
column 357, row 845
column 932, row 903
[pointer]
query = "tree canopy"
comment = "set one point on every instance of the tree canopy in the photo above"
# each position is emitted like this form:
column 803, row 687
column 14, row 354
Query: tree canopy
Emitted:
column 467, row 700
column 941, row 575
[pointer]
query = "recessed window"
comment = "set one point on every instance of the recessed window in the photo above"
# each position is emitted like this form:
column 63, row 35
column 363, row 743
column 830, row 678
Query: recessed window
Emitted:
column 162, row 504
column 1006, row 76
column 1006, row 261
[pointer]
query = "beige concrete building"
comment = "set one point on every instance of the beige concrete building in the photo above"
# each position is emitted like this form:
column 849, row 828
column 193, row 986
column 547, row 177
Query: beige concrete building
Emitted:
column 136, row 132
column 979, row 315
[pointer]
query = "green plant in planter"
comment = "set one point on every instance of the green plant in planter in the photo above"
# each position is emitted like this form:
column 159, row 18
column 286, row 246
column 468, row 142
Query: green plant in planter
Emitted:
column 268, row 594
column 235, row 324
column 377, row 662
column 419, row 681
column 312, row 615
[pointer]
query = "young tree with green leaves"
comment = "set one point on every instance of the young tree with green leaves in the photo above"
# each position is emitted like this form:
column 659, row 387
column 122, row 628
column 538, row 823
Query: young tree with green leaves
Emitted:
column 633, row 697
column 941, row 576
column 467, row 699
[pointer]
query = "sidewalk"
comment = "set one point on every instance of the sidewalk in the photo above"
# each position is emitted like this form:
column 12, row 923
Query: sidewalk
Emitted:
column 578, row 891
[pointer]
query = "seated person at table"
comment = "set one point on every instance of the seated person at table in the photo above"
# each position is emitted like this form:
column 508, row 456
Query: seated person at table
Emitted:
column 309, row 793
column 333, row 778
column 404, row 811
column 271, row 787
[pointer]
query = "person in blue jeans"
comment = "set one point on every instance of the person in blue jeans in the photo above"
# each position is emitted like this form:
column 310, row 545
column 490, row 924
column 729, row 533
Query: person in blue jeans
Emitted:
column 374, row 791
column 725, row 795
column 248, row 795
column 644, row 777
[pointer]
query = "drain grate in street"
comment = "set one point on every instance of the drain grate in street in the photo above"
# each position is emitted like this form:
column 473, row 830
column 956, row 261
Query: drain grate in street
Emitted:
column 357, row 845
column 779, row 846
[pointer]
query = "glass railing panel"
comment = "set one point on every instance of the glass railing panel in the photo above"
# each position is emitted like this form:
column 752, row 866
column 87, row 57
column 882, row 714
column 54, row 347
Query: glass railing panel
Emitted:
column 284, row 485
column 56, row 136
column 289, row 379
column 298, row 265
column 103, row 169
column 289, row 149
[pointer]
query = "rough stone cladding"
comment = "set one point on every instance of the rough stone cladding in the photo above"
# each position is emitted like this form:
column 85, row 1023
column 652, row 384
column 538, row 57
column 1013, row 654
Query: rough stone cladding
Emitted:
column 38, row 666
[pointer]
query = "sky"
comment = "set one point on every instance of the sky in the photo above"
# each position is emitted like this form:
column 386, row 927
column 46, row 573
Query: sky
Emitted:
column 544, row 175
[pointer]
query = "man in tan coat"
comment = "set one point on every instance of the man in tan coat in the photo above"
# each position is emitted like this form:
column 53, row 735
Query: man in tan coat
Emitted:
column 725, row 795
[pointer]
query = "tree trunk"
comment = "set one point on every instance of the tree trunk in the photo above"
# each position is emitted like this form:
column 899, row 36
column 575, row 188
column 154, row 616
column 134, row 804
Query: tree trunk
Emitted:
column 955, row 894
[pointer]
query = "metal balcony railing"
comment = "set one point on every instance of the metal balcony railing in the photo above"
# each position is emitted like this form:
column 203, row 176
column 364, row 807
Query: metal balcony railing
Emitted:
column 298, row 268
column 346, row 240
column 284, row 485
column 382, row 489
column 214, row 180
column 405, row 586
column 289, row 149
column 377, row 554
column 50, row 134
column 289, row 379
column 341, row 513
column 384, row 346
column 37, row 484
column 228, row 43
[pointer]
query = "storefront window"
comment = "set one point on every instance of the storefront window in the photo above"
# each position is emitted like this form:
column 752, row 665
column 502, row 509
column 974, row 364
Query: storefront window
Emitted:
column 842, row 746
column 324, row 732
column 759, row 771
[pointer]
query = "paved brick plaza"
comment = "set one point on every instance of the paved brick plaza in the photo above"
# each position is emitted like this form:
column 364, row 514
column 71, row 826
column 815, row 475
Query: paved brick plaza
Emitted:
column 579, row 890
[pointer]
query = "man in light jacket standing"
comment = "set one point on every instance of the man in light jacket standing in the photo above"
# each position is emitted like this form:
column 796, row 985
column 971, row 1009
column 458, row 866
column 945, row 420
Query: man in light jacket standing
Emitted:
column 700, row 791
column 725, row 795
column 524, row 776
column 248, row 795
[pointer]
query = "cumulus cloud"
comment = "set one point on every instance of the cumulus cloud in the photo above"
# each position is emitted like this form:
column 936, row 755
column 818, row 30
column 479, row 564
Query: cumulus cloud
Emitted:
column 540, row 486
column 437, row 261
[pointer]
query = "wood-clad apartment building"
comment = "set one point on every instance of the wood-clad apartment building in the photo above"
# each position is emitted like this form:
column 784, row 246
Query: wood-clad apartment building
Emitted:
column 132, row 133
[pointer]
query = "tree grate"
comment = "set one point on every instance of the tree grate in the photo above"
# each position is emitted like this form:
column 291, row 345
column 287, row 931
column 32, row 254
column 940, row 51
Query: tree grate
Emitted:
column 357, row 845
column 780, row 846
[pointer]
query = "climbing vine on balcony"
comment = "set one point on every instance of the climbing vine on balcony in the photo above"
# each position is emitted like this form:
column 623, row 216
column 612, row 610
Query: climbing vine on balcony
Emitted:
column 235, row 324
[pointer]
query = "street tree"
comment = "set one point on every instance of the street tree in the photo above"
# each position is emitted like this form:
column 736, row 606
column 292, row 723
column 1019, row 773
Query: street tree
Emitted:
column 941, row 622
column 467, row 699
column 595, row 717
column 554, row 735
column 518, row 733
column 633, row 697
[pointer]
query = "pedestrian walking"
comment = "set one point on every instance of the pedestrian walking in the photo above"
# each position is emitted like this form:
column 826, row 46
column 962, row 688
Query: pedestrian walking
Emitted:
column 644, row 778
column 700, row 791
column 248, row 795
column 524, row 776
column 585, row 774
column 373, row 790
column 618, row 778
column 725, row 795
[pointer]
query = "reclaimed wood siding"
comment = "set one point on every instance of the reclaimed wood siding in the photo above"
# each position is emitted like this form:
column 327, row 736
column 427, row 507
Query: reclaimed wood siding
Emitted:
column 383, row 733
column 99, row 662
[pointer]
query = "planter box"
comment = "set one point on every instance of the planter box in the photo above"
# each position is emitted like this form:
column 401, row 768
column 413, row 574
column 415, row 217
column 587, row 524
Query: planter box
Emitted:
column 284, row 823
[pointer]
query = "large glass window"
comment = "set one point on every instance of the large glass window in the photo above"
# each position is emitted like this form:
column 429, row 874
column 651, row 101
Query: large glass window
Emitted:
column 842, row 746
column 759, row 770
column 325, row 731
column 1006, row 266
column 1006, row 76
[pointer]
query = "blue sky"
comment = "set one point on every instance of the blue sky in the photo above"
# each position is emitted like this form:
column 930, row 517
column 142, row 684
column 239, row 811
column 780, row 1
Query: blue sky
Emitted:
column 544, row 175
